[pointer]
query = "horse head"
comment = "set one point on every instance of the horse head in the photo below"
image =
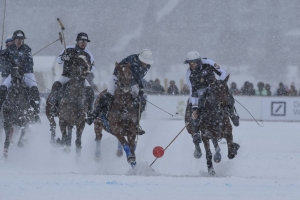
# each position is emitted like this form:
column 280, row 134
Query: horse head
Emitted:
column 80, row 68
column 124, row 77
column 219, row 90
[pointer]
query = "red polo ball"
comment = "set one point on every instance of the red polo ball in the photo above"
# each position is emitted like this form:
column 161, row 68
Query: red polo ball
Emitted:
column 158, row 151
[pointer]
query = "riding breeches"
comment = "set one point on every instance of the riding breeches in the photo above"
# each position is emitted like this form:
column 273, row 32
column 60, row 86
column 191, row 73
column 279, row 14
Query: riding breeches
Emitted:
column 64, row 79
column 195, row 100
column 29, row 80
column 112, row 86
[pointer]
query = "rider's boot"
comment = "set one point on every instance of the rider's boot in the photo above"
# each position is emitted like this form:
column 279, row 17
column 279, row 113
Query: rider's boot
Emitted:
column 231, row 111
column 89, row 94
column 55, row 97
column 35, row 102
column 3, row 93
column 101, row 108
column 141, row 108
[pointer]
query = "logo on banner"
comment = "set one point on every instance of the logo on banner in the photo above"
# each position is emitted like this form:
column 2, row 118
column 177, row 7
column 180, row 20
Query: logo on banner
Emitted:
column 278, row 108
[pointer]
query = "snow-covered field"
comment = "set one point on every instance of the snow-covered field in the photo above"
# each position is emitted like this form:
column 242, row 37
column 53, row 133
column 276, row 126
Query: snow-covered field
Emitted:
column 266, row 167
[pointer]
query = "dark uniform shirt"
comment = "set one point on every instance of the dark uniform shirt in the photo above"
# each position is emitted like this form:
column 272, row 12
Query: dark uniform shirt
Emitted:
column 137, row 70
column 74, row 51
column 21, row 57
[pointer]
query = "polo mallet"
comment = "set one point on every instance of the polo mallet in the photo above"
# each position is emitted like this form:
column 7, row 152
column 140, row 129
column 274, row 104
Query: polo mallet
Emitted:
column 158, row 151
column 3, row 22
column 60, row 39
column 62, row 32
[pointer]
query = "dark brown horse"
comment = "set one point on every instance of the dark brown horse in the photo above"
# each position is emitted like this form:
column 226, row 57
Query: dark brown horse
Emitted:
column 73, row 106
column 122, row 117
column 215, row 123
column 16, row 109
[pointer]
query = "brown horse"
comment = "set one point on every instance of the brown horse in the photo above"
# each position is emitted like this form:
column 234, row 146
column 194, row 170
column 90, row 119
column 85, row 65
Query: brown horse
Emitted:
column 73, row 106
column 122, row 117
column 215, row 122
column 16, row 109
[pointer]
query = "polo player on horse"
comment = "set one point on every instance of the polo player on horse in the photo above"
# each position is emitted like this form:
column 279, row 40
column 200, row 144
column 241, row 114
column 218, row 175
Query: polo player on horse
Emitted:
column 67, row 58
column 19, row 55
column 200, row 73
column 140, row 65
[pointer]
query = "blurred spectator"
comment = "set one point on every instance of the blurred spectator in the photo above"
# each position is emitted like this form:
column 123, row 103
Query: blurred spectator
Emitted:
column 173, row 88
column 157, row 87
column 292, row 91
column 268, row 89
column 233, row 89
column 185, row 90
column 149, row 87
column 247, row 89
column 281, row 91
column 261, row 89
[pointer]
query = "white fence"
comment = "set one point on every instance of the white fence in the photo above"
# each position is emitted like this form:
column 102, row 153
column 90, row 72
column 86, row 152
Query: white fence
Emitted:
column 262, row 108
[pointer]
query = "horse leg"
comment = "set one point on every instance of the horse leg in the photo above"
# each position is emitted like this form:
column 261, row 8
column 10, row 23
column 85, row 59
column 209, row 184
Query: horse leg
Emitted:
column 98, row 127
column 21, row 142
column 125, row 145
column 232, row 147
column 209, row 163
column 52, row 123
column 63, row 130
column 79, row 131
column 132, row 145
column 217, row 155
column 8, row 128
column 119, row 152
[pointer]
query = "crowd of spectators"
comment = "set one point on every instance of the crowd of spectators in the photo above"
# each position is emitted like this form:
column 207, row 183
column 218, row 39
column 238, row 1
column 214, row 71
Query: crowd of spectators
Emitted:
column 263, row 90
column 248, row 89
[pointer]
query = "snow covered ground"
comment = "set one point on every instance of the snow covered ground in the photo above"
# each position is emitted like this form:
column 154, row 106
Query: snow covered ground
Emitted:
column 266, row 167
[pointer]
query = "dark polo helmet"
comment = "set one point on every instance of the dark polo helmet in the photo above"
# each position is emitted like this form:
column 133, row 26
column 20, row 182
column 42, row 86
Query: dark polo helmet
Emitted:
column 18, row 34
column 82, row 36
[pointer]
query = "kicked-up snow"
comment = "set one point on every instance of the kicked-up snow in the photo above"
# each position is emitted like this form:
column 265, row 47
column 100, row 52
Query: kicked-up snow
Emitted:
column 266, row 167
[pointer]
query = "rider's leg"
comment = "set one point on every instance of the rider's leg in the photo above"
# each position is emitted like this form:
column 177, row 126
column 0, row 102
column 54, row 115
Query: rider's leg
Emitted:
column 34, row 94
column 3, row 93
column 140, row 106
column 231, row 111
column 4, row 90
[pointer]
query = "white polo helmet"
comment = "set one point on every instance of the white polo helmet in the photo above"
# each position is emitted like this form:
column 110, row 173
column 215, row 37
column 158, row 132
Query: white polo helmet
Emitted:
column 191, row 57
column 146, row 56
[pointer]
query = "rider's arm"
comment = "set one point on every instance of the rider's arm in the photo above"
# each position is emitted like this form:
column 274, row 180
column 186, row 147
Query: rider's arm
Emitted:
column 217, row 69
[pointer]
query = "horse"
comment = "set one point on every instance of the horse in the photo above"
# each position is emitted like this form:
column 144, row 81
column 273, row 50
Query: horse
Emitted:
column 215, row 122
column 17, row 110
column 122, row 120
column 73, row 106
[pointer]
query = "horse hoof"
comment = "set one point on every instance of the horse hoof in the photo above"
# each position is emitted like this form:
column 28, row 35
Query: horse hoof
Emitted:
column 217, row 158
column 119, row 153
column 20, row 144
column 5, row 153
column 78, row 151
column 211, row 171
column 197, row 154
column 52, row 141
column 67, row 149
column 131, row 160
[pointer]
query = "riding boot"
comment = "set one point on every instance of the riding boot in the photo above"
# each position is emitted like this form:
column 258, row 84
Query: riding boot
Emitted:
column 231, row 111
column 55, row 97
column 3, row 93
column 35, row 102
column 141, row 108
column 89, row 94
column 101, row 108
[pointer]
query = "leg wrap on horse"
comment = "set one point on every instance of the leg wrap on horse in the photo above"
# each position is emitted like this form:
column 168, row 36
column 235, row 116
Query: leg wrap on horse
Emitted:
column 3, row 93
column 89, row 93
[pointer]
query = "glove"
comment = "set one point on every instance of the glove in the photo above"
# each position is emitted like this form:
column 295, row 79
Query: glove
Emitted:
column 65, row 57
column 196, row 138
